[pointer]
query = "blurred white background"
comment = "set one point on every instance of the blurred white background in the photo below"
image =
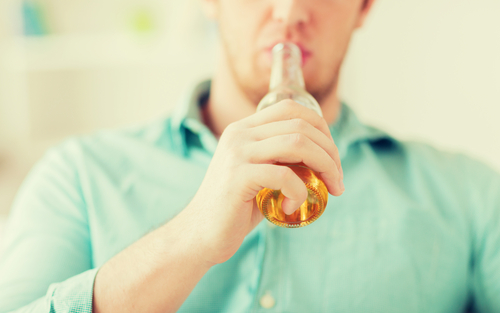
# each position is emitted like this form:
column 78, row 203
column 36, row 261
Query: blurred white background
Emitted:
column 426, row 70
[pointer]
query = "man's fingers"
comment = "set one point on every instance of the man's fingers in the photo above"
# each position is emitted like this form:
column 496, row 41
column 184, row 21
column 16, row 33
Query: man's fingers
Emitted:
column 289, row 206
column 287, row 110
column 278, row 177
column 297, row 148
column 297, row 125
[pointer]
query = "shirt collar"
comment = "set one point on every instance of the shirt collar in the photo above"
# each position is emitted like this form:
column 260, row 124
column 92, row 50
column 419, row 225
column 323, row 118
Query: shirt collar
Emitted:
column 187, row 126
column 348, row 130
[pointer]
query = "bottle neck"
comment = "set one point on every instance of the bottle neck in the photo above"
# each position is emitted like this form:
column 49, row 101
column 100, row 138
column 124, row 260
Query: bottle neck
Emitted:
column 286, row 69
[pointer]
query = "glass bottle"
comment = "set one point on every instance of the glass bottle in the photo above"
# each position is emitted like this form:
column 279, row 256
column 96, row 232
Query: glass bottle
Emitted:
column 287, row 82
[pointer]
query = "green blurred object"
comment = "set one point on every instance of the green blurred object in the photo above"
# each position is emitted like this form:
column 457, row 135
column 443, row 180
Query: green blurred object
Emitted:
column 142, row 20
column 33, row 19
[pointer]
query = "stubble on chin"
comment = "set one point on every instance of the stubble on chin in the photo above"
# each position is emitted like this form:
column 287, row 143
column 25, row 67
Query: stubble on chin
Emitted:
column 323, row 92
column 254, row 92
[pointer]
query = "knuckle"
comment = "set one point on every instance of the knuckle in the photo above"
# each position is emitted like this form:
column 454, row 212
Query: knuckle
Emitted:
column 288, row 102
column 296, row 140
column 225, row 136
column 332, row 166
column 298, row 124
column 231, row 133
column 289, row 107
column 233, row 126
column 318, row 120
column 233, row 154
column 335, row 149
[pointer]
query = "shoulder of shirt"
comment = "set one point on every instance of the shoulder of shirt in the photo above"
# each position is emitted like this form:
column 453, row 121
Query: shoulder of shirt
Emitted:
column 470, row 182
column 455, row 164
column 156, row 134
column 382, row 141
column 449, row 158
column 450, row 165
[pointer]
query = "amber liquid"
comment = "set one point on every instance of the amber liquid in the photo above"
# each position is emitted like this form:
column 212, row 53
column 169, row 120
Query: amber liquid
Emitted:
column 269, row 201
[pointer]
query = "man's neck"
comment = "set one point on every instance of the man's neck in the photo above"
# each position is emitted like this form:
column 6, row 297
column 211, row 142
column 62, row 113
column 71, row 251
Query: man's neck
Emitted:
column 228, row 103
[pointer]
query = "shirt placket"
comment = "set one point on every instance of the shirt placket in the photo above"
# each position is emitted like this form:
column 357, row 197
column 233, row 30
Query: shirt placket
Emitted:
column 271, row 291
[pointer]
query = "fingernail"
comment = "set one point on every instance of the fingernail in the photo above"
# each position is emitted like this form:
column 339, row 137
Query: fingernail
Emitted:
column 341, row 172
column 341, row 184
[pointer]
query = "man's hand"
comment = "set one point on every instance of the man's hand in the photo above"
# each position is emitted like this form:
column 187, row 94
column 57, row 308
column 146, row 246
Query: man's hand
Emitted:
column 224, row 207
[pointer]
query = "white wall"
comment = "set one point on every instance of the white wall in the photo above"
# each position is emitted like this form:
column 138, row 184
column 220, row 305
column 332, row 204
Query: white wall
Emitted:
column 430, row 70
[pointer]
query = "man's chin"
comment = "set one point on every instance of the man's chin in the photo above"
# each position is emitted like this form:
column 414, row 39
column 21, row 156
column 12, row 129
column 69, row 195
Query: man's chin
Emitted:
column 254, row 92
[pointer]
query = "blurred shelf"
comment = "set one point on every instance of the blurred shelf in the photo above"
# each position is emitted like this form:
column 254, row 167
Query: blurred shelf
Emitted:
column 70, row 52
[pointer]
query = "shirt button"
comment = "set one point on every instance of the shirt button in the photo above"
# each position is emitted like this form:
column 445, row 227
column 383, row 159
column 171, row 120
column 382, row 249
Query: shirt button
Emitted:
column 267, row 301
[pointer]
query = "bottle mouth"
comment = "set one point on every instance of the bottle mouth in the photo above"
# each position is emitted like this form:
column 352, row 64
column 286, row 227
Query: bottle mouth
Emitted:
column 293, row 50
column 287, row 49
column 287, row 46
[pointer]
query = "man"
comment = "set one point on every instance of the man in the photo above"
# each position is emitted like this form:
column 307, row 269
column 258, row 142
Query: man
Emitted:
column 416, row 230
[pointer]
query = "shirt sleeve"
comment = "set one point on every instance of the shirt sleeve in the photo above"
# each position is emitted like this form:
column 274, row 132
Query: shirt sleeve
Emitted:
column 46, row 263
column 73, row 295
column 485, row 260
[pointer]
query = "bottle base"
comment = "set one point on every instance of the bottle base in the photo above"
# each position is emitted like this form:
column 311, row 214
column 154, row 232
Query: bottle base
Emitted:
column 269, row 201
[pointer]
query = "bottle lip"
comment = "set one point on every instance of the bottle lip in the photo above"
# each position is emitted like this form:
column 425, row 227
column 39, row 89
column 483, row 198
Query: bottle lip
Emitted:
column 287, row 46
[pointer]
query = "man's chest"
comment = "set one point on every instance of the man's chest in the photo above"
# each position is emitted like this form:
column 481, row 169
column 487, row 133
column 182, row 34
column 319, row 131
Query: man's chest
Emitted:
column 377, row 248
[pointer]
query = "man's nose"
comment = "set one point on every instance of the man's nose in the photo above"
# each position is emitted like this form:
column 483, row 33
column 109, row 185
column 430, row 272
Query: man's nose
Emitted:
column 291, row 12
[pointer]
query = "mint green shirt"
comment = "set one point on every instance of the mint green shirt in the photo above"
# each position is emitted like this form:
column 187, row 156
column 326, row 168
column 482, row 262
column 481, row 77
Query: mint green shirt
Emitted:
column 417, row 229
